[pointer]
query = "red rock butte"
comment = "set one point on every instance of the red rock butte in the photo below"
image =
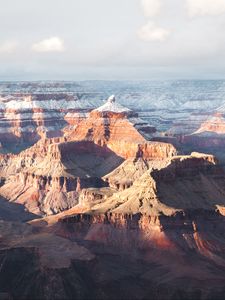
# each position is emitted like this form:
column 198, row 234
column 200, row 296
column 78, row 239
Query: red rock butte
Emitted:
column 49, row 176
column 122, row 131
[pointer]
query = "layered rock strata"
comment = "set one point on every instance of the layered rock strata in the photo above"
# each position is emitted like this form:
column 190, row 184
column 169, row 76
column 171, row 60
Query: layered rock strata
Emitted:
column 177, row 209
column 49, row 176
column 24, row 119
column 122, row 131
column 51, row 184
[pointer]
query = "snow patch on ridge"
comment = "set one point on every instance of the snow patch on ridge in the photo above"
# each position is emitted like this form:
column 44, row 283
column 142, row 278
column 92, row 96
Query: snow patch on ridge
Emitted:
column 112, row 106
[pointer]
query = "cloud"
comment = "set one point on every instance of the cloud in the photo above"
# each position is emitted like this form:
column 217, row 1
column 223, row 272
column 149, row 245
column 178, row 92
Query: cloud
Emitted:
column 151, row 33
column 151, row 8
column 52, row 44
column 205, row 7
column 8, row 47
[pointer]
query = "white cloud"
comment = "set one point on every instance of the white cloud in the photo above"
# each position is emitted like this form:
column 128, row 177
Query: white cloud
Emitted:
column 8, row 47
column 52, row 44
column 205, row 7
column 151, row 33
column 151, row 8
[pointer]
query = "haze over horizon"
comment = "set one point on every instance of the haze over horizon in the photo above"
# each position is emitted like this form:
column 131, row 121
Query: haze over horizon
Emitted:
column 112, row 40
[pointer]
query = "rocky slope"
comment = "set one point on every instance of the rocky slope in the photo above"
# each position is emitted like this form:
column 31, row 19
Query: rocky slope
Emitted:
column 49, row 176
column 210, row 136
column 170, row 222
column 122, row 131
column 184, row 182
column 51, row 183
column 24, row 119
column 107, row 191
column 40, row 265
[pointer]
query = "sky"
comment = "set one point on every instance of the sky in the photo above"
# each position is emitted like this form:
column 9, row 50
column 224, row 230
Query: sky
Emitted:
column 112, row 39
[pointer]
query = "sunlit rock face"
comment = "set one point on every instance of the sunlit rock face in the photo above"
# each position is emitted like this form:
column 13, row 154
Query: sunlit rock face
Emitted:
column 49, row 176
column 122, row 131
column 183, row 184
column 172, row 218
column 214, row 124
column 210, row 136
column 164, row 190
column 24, row 119
column 50, row 182
column 170, row 222
column 175, row 209
column 116, row 216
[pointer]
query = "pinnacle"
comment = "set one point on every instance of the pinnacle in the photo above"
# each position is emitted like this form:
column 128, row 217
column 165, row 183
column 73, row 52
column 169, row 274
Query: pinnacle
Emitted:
column 111, row 99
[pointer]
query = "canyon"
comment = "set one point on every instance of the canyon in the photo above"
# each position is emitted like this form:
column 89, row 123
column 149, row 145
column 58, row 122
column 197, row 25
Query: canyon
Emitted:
column 26, row 118
column 94, row 181
column 47, row 177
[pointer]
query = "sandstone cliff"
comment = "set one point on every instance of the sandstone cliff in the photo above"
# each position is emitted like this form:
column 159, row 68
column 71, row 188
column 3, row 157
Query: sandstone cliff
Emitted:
column 48, row 177
column 51, row 184
column 122, row 131
column 24, row 119
column 186, row 182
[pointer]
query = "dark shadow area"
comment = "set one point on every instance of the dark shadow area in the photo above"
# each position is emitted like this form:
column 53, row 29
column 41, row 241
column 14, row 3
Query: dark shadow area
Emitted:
column 10, row 211
column 15, row 145
column 107, row 277
column 207, row 142
column 87, row 159
column 171, row 270
column 193, row 183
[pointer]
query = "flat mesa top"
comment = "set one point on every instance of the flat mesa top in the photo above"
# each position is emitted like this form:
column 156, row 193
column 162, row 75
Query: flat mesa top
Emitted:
column 112, row 106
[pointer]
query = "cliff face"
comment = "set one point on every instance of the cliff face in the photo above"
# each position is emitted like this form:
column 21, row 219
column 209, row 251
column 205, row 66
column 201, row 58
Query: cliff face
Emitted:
column 214, row 124
column 144, row 150
column 185, row 247
column 203, row 131
column 188, row 247
column 40, row 194
column 48, row 177
column 208, row 142
column 121, row 137
column 185, row 182
column 209, row 137
column 103, row 130
column 122, row 131
column 108, row 191
column 142, row 231
column 174, row 266
column 24, row 119
column 51, row 183
column 172, row 217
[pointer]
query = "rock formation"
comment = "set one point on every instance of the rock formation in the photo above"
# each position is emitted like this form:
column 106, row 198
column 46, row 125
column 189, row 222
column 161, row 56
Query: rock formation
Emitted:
column 185, row 182
column 24, row 119
column 122, row 131
column 48, row 177
column 170, row 221
column 210, row 136
column 50, row 184
column 102, row 191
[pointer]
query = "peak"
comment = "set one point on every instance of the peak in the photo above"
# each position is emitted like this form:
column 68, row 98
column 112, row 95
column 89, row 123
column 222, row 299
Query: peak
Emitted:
column 112, row 106
column 111, row 99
